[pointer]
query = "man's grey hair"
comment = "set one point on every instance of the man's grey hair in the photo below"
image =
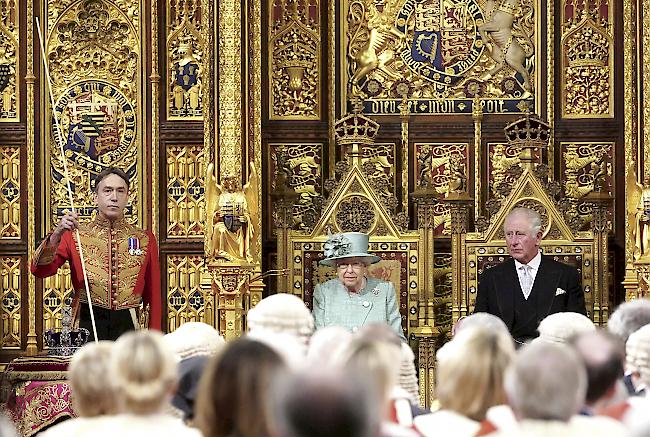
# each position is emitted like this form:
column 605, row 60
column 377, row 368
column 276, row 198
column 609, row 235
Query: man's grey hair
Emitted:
column 546, row 382
column 531, row 215
column 629, row 317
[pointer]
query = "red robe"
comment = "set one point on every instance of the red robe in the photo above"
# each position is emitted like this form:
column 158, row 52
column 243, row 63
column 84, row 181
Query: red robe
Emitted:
column 119, row 278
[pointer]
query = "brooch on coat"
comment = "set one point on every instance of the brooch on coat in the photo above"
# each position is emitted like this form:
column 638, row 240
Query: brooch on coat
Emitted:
column 375, row 291
column 134, row 246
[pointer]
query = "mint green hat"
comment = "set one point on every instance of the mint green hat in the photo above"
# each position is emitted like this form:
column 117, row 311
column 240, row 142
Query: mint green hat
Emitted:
column 347, row 245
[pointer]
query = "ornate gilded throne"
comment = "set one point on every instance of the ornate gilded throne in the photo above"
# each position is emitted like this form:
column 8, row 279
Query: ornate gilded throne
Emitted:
column 358, row 201
column 566, row 237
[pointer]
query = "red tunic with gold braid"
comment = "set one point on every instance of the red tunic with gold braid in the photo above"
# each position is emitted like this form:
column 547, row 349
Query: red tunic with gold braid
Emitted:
column 119, row 274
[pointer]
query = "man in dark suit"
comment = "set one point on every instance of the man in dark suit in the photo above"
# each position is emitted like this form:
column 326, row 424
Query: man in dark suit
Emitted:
column 529, row 286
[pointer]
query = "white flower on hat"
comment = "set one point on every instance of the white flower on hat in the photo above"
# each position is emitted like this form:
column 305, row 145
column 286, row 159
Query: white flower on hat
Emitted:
column 337, row 245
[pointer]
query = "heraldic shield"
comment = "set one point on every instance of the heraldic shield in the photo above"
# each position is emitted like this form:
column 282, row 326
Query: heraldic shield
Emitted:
column 186, row 75
column 232, row 222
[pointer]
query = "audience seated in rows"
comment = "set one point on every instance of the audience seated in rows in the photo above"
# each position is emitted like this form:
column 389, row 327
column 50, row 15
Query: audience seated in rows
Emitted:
column 629, row 317
column 376, row 359
column 546, row 387
column 283, row 322
column 481, row 320
column 141, row 372
column 281, row 313
column 326, row 344
column 93, row 396
column 283, row 380
column 407, row 383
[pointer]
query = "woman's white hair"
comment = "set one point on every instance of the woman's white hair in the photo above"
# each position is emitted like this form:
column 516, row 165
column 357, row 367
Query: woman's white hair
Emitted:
column 143, row 368
column 92, row 393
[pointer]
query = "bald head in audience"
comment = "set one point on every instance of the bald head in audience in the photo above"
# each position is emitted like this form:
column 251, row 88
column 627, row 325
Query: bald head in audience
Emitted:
column 546, row 382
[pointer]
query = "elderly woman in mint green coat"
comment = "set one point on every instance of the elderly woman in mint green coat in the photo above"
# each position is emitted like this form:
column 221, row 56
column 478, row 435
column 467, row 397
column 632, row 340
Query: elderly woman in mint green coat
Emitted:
column 352, row 299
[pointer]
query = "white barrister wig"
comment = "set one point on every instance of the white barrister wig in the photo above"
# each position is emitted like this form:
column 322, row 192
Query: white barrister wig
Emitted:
column 283, row 313
column 637, row 351
column 193, row 339
column 558, row 328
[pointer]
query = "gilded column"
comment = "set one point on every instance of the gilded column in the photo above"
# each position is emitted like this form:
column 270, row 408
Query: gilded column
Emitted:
column 644, row 100
column 331, row 80
column 283, row 202
column 600, row 229
column 211, row 153
column 550, row 81
column 30, row 79
column 32, row 346
column 477, row 116
column 257, row 108
column 154, row 78
column 426, row 201
column 405, row 115
column 459, row 206
column 230, row 139
column 632, row 123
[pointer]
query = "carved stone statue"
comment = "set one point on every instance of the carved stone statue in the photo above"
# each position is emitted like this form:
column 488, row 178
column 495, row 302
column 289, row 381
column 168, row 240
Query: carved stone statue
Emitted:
column 232, row 217
column 638, row 209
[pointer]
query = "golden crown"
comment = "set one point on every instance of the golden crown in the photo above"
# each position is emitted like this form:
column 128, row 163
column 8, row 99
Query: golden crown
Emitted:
column 529, row 131
column 356, row 129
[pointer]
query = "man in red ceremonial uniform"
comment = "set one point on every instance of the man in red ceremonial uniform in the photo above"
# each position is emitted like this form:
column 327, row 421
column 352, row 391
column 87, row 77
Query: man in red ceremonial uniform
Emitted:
column 121, row 261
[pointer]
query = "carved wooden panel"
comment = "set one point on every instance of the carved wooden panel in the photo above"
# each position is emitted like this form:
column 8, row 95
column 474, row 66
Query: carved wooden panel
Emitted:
column 441, row 167
column 186, row 300
column 186, row 167
column 439, row 55
column 9, row 61
column 301, row 168
column 185, row 47
column 94, row 53
column 587, row 56
column 502, row 168
column 10, row 295
column 10, row 193
column 585, row 167
column 57, row 291
column 294, row 59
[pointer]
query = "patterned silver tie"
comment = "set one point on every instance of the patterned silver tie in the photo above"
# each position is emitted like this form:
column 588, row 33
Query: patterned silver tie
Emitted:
column 526, row 280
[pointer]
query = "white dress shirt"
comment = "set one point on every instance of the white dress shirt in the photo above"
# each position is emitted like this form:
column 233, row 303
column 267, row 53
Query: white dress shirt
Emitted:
column 533, row 265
